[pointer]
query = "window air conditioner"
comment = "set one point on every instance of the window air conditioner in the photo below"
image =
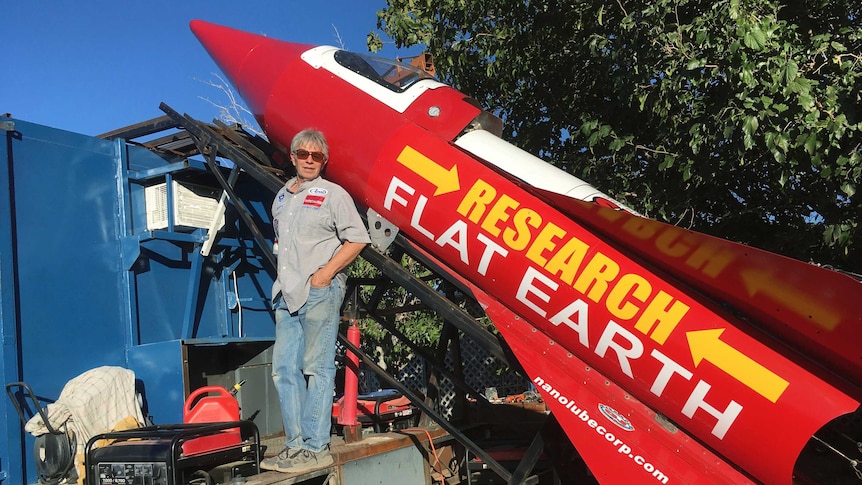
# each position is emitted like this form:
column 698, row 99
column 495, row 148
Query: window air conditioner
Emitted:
column 195, row 206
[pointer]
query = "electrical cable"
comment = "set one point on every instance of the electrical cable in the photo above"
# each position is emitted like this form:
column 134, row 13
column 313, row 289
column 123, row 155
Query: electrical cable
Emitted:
column 238, row 303
column 434, row 452
column 853, row 463
column 201, row 477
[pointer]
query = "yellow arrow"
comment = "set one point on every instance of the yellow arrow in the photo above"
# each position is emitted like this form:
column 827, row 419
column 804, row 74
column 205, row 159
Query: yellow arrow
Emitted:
column 445, row 180
column 764, row 283
column 706, row 344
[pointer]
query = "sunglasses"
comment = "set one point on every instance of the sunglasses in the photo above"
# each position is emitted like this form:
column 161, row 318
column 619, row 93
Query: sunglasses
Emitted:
column 316, row 156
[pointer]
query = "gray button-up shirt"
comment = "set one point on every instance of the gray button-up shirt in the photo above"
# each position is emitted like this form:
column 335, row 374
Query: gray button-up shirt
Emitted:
column 310, row 226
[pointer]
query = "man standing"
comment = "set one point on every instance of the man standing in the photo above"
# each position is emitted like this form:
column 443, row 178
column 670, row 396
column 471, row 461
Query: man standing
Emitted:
column 318, row 234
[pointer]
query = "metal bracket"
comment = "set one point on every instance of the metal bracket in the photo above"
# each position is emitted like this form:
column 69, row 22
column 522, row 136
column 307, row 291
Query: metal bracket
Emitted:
column 382, row 232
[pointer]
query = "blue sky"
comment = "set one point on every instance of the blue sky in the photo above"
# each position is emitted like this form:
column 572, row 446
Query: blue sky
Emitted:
column 94, row 66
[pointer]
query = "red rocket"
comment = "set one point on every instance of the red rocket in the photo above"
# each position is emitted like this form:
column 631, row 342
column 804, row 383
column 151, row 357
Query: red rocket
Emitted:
column 666, row 355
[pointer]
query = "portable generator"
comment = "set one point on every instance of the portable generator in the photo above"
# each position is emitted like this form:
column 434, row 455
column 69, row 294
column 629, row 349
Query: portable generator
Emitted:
column 155, row 455
column 383, row 410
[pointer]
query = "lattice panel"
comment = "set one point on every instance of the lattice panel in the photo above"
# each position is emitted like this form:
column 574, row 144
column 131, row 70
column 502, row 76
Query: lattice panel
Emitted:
column 482, row 371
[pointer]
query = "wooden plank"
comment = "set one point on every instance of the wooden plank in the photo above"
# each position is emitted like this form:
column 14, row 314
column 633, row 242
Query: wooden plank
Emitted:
column 371, row 445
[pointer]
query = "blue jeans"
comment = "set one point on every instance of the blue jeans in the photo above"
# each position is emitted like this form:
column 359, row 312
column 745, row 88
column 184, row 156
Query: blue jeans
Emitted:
column 303, row 366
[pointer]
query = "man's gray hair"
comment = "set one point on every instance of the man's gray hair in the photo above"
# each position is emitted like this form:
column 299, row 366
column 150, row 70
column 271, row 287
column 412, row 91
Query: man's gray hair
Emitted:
column 310, row 136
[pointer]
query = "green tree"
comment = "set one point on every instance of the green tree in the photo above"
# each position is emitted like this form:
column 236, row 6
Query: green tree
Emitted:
column 738, row 118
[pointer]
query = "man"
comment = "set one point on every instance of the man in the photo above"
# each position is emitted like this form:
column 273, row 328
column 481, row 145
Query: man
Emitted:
column 318, row 234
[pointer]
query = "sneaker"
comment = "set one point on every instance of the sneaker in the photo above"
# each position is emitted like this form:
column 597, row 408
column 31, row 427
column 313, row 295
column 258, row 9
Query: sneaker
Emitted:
column 280, row 462
column 305, row 460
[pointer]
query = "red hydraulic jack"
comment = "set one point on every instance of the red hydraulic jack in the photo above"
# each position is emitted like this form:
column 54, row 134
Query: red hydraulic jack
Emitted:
column 347, row 414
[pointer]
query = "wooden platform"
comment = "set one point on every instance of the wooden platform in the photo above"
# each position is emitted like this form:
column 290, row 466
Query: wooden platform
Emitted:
column 344, row 453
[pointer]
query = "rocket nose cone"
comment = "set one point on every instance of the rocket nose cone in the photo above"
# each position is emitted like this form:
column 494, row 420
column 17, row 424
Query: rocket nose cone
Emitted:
column 253, row 63
column 228, row 47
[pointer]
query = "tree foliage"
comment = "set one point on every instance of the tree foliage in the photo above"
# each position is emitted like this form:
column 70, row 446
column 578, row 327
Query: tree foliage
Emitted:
column 738, row 118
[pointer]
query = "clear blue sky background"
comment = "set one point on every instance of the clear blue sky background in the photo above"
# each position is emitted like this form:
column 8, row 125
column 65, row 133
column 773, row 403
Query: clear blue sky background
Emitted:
column 94, row 66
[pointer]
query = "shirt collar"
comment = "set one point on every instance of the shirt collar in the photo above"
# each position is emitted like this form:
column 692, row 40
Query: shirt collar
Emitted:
column 303, row 185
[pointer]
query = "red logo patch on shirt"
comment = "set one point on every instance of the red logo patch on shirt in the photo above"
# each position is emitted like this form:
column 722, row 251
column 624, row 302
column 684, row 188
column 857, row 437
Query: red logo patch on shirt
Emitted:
column 313, row 200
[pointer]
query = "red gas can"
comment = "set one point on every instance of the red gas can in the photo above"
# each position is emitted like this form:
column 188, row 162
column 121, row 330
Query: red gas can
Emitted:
column 217, row 405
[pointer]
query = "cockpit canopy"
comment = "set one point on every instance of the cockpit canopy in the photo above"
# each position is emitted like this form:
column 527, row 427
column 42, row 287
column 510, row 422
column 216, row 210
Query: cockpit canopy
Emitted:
column 391, row 74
